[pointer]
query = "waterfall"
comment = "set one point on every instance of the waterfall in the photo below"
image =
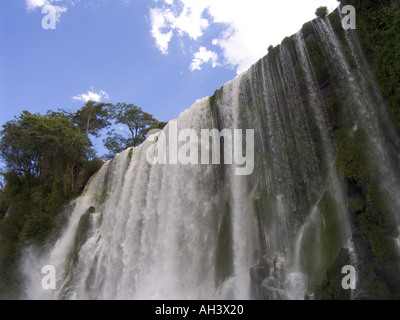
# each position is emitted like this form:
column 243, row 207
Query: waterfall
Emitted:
column 200, row 231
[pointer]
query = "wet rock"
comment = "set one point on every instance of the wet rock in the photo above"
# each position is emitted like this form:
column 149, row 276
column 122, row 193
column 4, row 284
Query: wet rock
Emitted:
column 331, row 288
column 257, row 275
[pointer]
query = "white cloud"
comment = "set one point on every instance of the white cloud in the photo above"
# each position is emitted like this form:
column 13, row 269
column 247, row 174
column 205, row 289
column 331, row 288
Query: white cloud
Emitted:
column 203, row 56
column 34, row 4
column 160, row 19
column 92, row 96
column 250, row 26
column 189, row 22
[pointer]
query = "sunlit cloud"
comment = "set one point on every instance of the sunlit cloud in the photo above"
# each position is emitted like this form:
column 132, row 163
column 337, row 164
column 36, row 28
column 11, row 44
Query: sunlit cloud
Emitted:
column 35, row 4
column 250, row 26
column 92, row 96
column 203, row 56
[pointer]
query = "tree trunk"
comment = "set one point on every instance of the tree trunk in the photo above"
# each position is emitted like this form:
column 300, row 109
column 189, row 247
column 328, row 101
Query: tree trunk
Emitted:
column 88, row 124
column 72, row 176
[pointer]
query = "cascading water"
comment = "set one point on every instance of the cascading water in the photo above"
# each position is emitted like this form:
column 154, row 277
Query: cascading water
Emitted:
column 176, row 231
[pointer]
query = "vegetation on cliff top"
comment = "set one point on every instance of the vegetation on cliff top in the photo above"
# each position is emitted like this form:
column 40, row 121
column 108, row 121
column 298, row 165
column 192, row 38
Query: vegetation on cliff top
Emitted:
column 49, row 159
column 378, row 26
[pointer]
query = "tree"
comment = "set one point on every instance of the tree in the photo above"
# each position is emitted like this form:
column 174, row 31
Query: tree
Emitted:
column 136, row 121
column 134, row 118
column 2, row 204
column 321, row 12
column 32, row 145
column 116, row 143
column 92, row 117
column 158, row 125
column 46, row 164
column 39, row 149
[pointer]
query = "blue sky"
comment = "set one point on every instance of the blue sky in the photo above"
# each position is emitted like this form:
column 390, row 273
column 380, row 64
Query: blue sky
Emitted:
column 160, row 55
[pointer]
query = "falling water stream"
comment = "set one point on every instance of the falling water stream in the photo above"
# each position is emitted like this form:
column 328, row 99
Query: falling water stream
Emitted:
column 175, row 231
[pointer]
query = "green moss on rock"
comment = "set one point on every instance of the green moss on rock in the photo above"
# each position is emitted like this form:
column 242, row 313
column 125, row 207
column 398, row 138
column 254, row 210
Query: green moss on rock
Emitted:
column 333, row 109
column 130, row 155
column 224, row 250
column 317, row 59
column 351, row 162
column 81, row 235
column 38, row 227
column 321, row 241
column 378, row 27
column 331, row 288
column 101, row 199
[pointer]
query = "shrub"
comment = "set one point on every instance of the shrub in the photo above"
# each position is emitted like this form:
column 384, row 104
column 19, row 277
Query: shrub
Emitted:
column 321, row 12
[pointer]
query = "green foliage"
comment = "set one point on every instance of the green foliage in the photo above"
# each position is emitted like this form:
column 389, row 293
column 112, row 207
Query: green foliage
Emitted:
column 270, row 48
column 38, row 227
column 321, row 240
column 375, row 288
column 351, row 162
column 157, row 125
column 382, row 245
column 331, row 288
column 94, row 165
column 92, row 117
column 378, row 26
column 116, row 143
column 35, row 145
column 134, row 118
column 336, row 22
column 321, row 12
column 138, row 124
column 366, row 201
column 47, row 162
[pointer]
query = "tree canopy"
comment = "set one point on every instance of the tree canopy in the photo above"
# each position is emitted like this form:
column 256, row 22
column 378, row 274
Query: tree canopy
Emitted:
column 33, row 144
column 48, row 160
column 137, row 123
column 322, row 12
column 92, row 117
column 134, row 118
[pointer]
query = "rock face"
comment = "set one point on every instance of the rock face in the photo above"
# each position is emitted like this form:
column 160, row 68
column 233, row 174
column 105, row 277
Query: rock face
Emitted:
column 257, row 275
column 323, row 194
column 331, row 288
column 82, row 179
